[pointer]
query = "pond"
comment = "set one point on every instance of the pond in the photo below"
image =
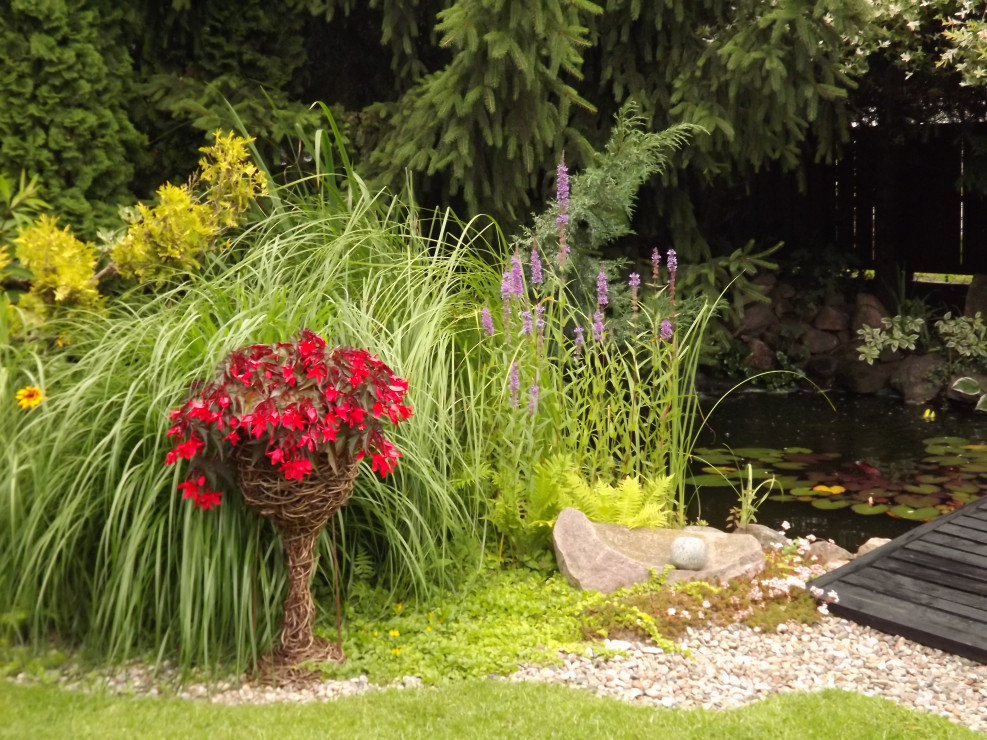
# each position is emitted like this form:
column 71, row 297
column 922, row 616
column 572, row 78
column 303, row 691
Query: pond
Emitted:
column 895, row 464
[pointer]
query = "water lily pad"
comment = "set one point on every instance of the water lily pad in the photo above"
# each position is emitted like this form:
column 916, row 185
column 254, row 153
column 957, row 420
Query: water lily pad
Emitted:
column 931, row 478
column 868, row 510
column 946, row 441
column 945, row 450
column 762, row 454
column 921, row 488
column 782, row 498
column 870, row 493
column 975, row 448
column 918, row 515
column 710, row 480
column 976, row 467
column 790, row 465
column 948, row 461
column 961, row 486
column 714, row 457
column 916, row 501
column 965, row 498
column 829, row 489
column 830, row 503
column 798, row 450
column 806, row 491
column 724, row 469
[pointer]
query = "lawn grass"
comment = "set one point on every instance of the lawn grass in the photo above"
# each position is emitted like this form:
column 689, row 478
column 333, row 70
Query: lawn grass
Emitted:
column 476, row 708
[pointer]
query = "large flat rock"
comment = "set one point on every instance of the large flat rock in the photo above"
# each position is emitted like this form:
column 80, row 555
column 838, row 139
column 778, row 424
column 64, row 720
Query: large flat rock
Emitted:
column 606, row 557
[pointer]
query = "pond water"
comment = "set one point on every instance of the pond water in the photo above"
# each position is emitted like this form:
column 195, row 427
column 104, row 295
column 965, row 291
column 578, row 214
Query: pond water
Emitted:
column 878, row 433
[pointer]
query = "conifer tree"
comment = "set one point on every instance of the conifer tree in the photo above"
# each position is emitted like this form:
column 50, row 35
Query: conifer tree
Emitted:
column 64, row 116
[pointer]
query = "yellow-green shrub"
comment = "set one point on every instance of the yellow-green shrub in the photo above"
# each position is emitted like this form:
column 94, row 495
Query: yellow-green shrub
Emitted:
column 62, row 267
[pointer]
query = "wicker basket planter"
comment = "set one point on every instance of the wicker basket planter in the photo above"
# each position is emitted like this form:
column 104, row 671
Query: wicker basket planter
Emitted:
column 299, row 509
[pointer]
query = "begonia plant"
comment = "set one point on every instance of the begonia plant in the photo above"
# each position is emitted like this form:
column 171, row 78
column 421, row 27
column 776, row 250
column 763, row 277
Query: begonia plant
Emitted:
column 299, row 404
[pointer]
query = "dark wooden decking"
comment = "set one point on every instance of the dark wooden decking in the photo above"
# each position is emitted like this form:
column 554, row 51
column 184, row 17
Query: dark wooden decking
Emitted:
column 928, row 585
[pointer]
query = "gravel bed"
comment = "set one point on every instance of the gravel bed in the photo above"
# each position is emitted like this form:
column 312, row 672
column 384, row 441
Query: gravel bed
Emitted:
column 726, row 667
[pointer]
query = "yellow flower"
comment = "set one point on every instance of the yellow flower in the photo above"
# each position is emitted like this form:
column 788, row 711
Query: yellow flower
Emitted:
column 396, row 651
column 394, row 633
column 29, row 397
column 398, row 607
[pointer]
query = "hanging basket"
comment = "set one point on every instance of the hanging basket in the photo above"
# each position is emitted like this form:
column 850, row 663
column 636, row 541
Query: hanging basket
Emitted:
column 299, row 510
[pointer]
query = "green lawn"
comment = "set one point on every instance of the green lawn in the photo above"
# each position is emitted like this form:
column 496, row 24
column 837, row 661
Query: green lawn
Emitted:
column 477, row 708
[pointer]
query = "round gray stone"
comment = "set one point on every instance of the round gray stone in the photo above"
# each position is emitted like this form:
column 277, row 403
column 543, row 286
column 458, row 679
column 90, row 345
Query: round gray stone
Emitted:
column 688, row 553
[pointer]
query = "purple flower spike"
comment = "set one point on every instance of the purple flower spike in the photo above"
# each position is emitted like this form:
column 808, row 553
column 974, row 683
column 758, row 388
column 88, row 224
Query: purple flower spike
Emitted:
column 601, row 289
column 666, row 329
column 525, row 323
column 487, row 320
column 517, row 276
column 634, row 280
column 540, row 318
column 514, row 383
column 580, row 340
column 673, row 263
column 655, row 264
column 598, row 326
column 562, row 193
column 536, row 273
column 532, row 398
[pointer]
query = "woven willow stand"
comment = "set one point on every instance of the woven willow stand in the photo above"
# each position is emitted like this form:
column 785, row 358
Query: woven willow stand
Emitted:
column 299, row 510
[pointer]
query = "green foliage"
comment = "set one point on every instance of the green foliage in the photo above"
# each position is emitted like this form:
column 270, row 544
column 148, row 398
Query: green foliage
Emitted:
column 963, row 337
column 96, row 545
column 19, row 205
column 173, row 236
column 971, row 387
column 65, row 90
column 496, row 115
column 750, row 498
column 525, row 515
column 62, row 270
column 899, row 332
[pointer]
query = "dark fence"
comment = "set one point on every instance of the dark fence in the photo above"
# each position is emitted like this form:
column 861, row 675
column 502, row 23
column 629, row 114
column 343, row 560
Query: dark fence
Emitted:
column 898, row 197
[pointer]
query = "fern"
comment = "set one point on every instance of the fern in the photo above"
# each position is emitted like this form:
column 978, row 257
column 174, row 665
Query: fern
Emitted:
column 525, row 515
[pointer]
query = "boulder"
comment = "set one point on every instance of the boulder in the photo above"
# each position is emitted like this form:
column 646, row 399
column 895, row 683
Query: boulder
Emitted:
column 818, row 342
column 821, row 367
column 913, row 377
column 761, row 356
column 830, row 318
column 766, row 536
column 757, row 318
column 826, row 552
column 872, row 544
column 606, row 557
column 857, row 376
column 868, row 312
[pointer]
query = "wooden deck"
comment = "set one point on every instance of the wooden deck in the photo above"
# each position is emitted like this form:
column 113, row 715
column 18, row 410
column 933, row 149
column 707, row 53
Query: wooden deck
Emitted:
column 928, row 585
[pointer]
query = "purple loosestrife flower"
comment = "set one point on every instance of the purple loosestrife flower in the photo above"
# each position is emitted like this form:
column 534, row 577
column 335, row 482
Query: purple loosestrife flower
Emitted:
column 655, row 264
column 514, row 383
column 580, row 340
column 601, row 289
column 540, row 318
column 525, row 323
column 562, row 193
column 517, row 276
column 562, row 199
column 598, row 326
column 634, row 281
column 673, row 267
column 666, row 329
column 487, row 320
column 536, row 274
column 533, row 398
